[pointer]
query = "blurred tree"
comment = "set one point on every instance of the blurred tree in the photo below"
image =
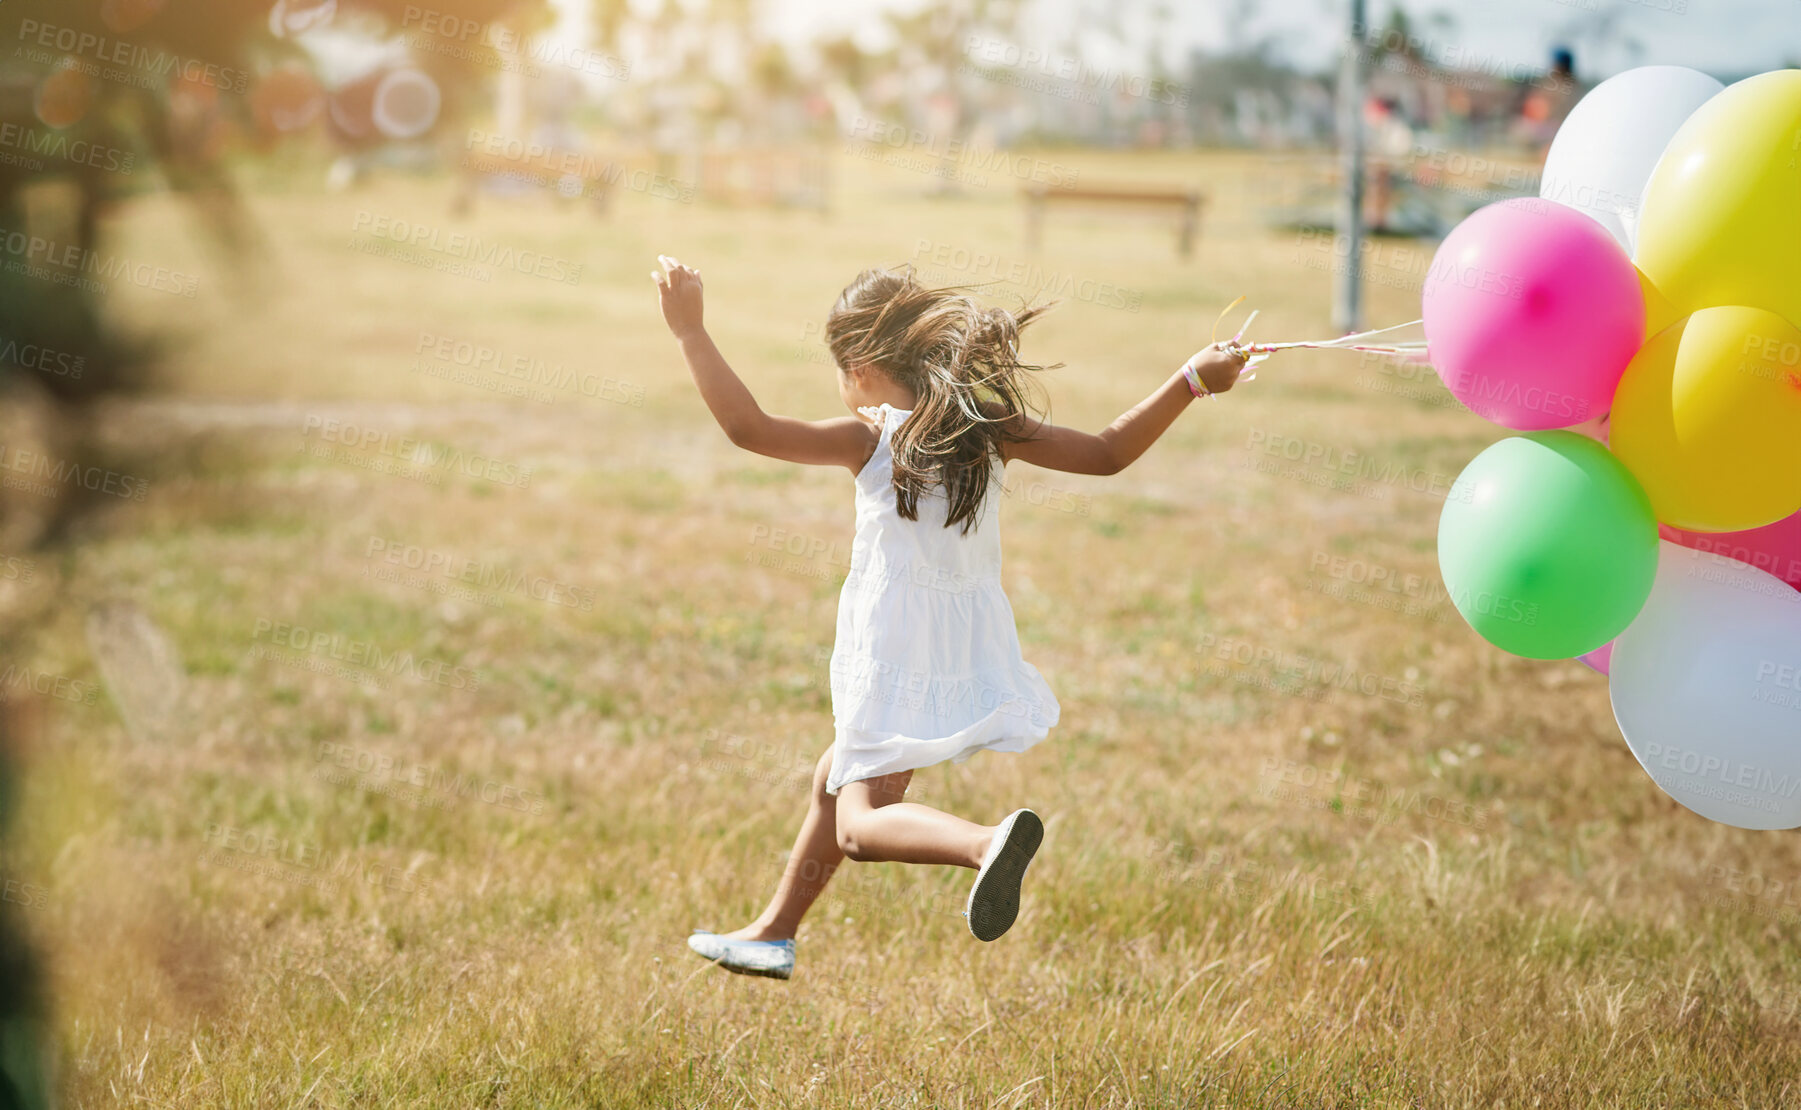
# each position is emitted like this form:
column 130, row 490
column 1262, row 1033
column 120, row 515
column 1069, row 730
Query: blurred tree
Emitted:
column 100, row 101
column 24, row 1042
column 100, row 98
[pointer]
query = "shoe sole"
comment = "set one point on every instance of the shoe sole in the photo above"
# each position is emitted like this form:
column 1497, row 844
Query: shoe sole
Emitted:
column 759, row 973
column 994, row 901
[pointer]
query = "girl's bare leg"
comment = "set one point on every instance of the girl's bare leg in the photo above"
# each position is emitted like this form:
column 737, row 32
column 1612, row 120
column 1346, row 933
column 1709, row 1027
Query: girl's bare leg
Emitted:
column 815, row 857
column 875, row 825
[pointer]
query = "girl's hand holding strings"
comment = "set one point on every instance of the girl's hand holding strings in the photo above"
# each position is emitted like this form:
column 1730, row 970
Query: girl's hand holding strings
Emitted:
column 679, row 296
column 1217, row 367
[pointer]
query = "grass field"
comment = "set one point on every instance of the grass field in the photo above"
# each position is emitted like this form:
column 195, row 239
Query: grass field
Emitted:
column 1310, row 843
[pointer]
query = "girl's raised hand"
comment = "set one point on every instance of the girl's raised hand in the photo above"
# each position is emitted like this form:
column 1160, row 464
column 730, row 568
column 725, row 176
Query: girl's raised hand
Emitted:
column 679, row 296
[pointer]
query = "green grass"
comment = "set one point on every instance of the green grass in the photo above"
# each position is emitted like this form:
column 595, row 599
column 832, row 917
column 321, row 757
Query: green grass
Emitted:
column 1258, row 888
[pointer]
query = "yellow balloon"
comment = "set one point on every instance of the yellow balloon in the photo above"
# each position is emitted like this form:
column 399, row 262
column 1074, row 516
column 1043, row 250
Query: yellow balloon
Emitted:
column 1659, row 312
column 1708, row 418
column 1721, row 218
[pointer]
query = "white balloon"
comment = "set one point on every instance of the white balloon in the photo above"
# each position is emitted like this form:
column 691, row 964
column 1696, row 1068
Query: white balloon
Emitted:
column 1706, row 686
column 1606, row 149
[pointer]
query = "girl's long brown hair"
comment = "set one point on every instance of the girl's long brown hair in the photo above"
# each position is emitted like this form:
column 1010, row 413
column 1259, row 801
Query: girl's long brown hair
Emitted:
column 961, row 361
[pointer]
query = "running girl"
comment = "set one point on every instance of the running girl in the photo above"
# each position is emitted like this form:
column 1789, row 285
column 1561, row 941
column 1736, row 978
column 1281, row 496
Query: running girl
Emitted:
column 927, row 666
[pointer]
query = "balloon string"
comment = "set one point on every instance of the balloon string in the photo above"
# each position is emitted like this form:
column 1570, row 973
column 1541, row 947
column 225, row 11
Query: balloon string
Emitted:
column 1248, row 372
column 1353, row 342
column 1381, row 348
column 1255, row 353
column 1213, row 336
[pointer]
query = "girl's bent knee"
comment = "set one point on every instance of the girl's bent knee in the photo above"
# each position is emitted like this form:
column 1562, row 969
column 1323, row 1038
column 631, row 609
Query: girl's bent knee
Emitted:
column 849, row 844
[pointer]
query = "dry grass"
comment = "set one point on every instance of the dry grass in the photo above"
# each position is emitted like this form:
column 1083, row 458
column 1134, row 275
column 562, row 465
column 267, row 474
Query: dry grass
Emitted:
column 1258, row 889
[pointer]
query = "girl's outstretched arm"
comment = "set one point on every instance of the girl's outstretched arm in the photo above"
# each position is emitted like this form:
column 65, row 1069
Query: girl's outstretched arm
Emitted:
column 1120, row 444
column 845, row 441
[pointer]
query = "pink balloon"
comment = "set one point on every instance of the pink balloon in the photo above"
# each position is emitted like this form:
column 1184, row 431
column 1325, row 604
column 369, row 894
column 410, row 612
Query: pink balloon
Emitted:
column 1594, row 428
column 1532, row 312
column 1598, row 660
column 1774, row 548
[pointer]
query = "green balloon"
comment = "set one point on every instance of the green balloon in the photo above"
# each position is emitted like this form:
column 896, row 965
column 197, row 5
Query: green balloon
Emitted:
column 1548, row 545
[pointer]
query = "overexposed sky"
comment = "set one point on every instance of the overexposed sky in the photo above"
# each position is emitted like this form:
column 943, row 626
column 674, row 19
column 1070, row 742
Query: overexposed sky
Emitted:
column 1724, row 37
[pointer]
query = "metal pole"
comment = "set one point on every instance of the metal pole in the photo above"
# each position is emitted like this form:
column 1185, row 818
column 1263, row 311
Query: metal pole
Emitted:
column 1347, row 293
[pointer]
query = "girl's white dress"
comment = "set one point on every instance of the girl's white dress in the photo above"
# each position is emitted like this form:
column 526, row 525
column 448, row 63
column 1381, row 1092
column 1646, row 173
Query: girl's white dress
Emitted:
column 926, row 666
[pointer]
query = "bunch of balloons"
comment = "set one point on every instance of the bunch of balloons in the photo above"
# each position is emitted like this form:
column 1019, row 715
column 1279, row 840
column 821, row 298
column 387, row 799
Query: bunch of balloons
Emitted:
column 1648, row 298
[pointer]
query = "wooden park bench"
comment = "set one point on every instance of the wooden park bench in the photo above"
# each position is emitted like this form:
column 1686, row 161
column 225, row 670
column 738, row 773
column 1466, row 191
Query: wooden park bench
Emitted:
column 1185, row 202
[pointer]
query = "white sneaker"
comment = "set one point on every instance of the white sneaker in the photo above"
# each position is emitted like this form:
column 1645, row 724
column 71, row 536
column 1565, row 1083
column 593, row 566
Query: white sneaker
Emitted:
column 994, row 899
column 772, row 959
